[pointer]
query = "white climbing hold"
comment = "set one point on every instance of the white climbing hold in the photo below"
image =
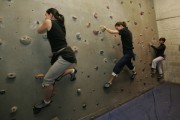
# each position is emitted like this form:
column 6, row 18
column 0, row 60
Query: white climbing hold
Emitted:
column 74, row 18
column 88, row 25
column 25, row 40
column 75, row 49
column 78, row 91
column 14, row 109
column 105, row 60
column 11, row 75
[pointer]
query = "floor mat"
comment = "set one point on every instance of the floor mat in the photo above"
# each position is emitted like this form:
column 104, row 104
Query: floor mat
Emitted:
column 160, row 103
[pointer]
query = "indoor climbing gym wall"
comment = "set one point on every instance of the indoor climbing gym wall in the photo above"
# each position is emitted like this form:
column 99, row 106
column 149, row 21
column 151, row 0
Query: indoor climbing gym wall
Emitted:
column 24, row 54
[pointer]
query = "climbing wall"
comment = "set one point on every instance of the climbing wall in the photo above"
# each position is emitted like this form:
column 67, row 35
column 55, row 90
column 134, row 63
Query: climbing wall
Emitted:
column 24, row 53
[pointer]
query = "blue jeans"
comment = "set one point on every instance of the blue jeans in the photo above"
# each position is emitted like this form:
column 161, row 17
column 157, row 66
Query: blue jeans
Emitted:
column 125, row 60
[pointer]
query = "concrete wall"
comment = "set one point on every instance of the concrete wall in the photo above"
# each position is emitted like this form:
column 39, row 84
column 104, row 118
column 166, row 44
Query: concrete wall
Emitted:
column 20, row 17
column 167, row 17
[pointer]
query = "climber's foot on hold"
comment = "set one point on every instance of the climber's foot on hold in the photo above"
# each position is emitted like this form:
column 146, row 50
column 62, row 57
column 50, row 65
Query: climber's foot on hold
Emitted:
column 73, row 75
column 160, row 76
column 133, row 75
column 39, row 106
column 107, row 85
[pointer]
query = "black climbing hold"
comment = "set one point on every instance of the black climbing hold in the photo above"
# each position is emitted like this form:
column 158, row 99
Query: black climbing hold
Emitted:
column 78, row 36
column 2, row 92
column 101, row 52
column 37, row 22
column 118, row 44
column 141, row 13
column 111, row 17
column 122, row 90
column 84, row 106
column 88, row 76
column 135, row 23
column 107, row 7
column 96, row 32
column 121, row 2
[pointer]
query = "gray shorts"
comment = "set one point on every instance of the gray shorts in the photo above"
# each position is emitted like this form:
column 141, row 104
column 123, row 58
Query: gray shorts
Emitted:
column 55, row 71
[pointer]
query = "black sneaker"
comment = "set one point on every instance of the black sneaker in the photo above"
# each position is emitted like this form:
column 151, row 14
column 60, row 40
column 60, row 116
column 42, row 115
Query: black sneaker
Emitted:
column 133, row 75
column 160, row 76
column 73, row 75
column 37, row 107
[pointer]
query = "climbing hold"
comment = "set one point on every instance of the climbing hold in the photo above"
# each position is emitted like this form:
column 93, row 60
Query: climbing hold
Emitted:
column 78, row 36
column 74, row 18
column 11, row 75
column 26, row 40
column 37, row 22
column 96, row 32
column 121, row 2
column 2, row 92
column 140, row 5
column 44, row 36
column 75, row 49
column 1, row 42
column 114, row 61
column 1, row 19
column 102, row 38
column 14, row 109
column 118, row 44
column 141, row 13
column 141, row 34
column 111, row 16
column 107, row 7
column 39, row 76
column 146, row 27
column 55, row 118
column 88, row 76
column 101, row 52
column 84, row 106
column 95, row 15
column 105, row 60
column 144, row 84
column 78, row 91
column 113, row 46
column 102, row 28
column 131, row 2
column 96, row 67
column 122, row 90
column 1, row 58
column 135, row 23
column 88, row 25
column 74, row 109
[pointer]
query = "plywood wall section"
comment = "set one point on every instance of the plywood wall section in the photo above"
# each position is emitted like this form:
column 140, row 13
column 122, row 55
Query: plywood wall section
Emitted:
column 19, row 19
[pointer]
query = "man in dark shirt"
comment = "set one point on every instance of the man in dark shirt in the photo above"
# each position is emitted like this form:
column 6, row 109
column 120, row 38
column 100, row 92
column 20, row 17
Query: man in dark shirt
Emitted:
column 157, row 62
column 127, row 44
